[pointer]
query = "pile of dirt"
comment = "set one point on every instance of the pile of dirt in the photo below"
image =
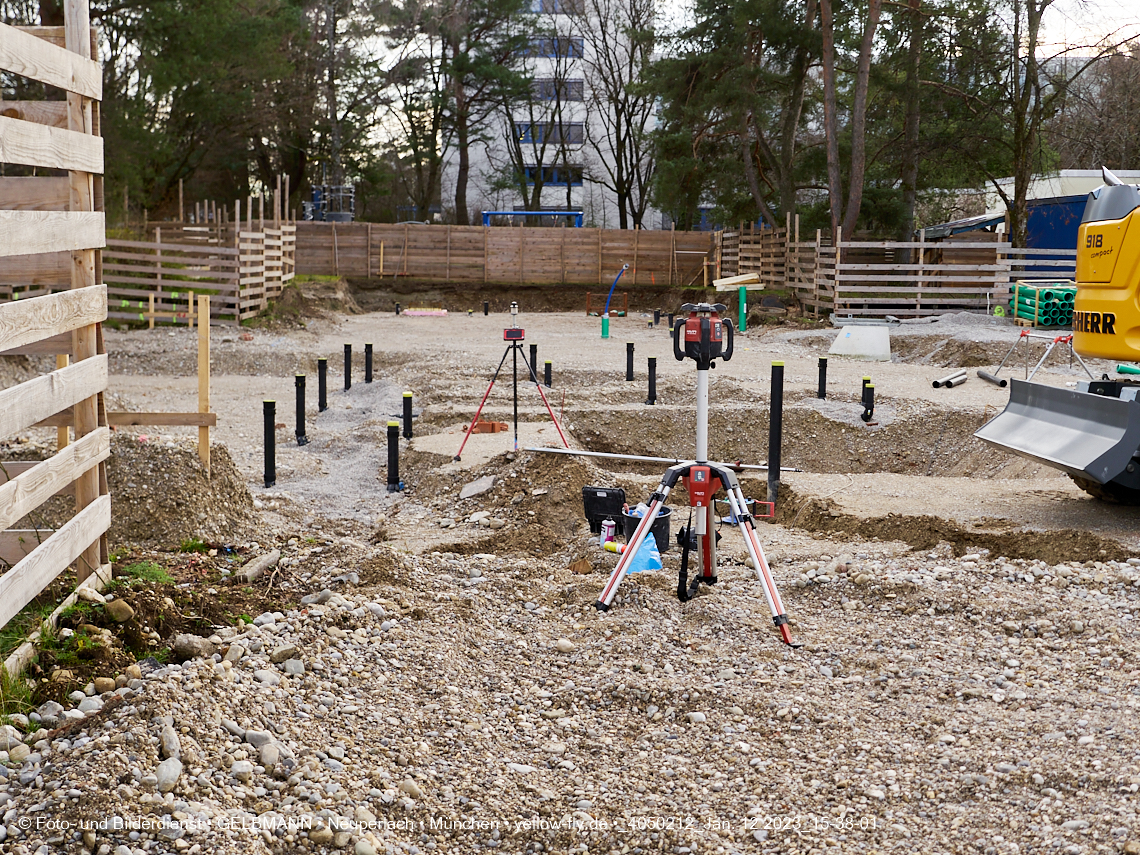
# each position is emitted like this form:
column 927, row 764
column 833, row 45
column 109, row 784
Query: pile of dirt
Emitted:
column 308, row 299
column 162, row 495
column 15, row 370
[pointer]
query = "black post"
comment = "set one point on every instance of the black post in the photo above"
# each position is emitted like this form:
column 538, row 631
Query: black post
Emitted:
column 866, row 380
column 656, row 317
column 397, row 308
column 393, row 457
column 670, row 323
column 546, row 374
column 347, row 367
column 407, row 415
column 629, row 360
column 775, row 430
column 299, row 382
column 868, row 402
column 486, row 308
column 652, row 399
column 322, row 385
column 534, row 362
column 367, row 363
column 269, row 410
column 822, row 393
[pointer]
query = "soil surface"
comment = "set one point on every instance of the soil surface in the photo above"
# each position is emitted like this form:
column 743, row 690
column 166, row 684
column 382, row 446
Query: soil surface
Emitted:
column 427, row 672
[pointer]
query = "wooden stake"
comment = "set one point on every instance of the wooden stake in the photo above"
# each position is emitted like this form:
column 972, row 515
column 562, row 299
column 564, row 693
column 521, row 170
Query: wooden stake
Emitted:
column 204, row 377
column 381, row 259
column 62, row 433
column 368, row 254
column 636, row 237
column 181, row 207
column 447, row 274
column 150, row 309
column 336, row 253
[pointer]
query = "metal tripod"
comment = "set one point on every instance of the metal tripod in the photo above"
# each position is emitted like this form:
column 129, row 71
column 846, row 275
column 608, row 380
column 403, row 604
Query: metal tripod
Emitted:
column 705, row 337
column 514, row 338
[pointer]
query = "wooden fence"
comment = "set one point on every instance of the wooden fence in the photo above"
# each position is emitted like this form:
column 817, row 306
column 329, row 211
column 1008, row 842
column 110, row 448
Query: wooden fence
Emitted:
column 59, row 227
column 501, row 255
column 877, row 278
column 160, row 278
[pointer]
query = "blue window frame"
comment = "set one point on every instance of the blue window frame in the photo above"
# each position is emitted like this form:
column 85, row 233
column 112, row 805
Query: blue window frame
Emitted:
column 550, row 89
column 554, row 176
column 557, row 47
column 565, row 133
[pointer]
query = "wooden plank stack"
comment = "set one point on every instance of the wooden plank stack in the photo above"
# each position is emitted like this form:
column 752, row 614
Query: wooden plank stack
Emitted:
column 43, row 233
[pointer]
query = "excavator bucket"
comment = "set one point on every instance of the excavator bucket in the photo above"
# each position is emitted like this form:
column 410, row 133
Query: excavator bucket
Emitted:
column 1087, row 436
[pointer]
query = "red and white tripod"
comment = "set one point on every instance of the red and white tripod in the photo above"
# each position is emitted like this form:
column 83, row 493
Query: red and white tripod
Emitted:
column 703, row 337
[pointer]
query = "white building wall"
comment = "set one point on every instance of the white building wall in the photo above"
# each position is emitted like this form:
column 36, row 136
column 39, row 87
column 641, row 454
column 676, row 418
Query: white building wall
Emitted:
column 598, row 204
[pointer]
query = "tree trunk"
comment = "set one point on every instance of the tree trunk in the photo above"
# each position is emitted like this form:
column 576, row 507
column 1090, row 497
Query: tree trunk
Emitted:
column 831, row 117
column 909, row 176
column 859, row 119
column 462, row 146
column 792, row 112
column 1028, row 116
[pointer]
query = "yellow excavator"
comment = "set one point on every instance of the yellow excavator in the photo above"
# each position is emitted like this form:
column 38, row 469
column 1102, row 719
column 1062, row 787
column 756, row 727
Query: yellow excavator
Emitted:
column 1091, row 432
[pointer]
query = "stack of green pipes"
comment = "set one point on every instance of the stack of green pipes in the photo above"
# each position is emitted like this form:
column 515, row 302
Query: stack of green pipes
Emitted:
column 1047, row 304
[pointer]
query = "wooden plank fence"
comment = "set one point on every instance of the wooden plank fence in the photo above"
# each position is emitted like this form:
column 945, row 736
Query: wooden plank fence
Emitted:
column 877, row 278
column 502, row 255
column 68, row 237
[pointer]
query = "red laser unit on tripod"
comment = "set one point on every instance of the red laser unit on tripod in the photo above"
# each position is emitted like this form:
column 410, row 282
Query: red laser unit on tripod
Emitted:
column 703, row 336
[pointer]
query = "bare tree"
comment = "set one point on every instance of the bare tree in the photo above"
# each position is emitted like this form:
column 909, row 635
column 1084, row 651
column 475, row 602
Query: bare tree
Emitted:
column 1098, row 122
column 619, row 40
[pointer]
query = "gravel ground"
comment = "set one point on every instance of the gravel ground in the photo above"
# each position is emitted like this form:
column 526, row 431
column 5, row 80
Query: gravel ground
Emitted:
column 437, row 678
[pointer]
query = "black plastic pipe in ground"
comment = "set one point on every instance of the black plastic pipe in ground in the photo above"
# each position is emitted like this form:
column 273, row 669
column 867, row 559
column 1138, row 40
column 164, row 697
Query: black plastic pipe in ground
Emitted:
column 866, row 380
column 393, row 457
column 269, row 410
column 397, row 308
column 670, row 323
column 322, row 385
column 299, row 382
column 652, row 399
column 822, row 393
column 347, row 367
column 534, row 363
column 407, row 415
column 992, row 378
column 656, row 317
column 367, row 363
column 629, row 360
column 868, row 402
column 486, row 308
column 775, row 430
column 546, row 374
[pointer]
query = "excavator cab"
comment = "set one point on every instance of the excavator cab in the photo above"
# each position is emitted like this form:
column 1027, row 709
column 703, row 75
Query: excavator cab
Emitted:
column 1091, row 432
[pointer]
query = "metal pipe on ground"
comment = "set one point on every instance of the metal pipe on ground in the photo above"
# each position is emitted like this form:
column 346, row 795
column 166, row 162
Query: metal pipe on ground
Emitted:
column 938, row 384
column 993, row 378
column 956, row 381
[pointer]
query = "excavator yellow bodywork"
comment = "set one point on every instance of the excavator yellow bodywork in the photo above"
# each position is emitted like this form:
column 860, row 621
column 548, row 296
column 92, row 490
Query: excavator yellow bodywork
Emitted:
column 1091, row 432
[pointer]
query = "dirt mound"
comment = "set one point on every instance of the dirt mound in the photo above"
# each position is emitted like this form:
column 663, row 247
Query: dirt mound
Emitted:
column 923, row 531
column 536, row 540
column 306, row 299
column 162, row 496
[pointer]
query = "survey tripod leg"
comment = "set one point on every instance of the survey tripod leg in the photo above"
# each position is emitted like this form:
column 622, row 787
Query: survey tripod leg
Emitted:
column 486, row 394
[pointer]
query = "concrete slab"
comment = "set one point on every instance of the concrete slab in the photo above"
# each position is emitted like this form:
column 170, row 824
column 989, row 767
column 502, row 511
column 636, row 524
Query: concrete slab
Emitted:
column 870, row 344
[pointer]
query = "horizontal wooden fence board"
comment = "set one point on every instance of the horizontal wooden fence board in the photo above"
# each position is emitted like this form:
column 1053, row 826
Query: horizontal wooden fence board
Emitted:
column 24, row 405
column 55, row 344
column 30, row 489
column 24, row 54
column 175, row 248
column 53, row 113
column 120, row 419
column 26, row 232
column 30, row 144
column 39, row 193
column 25, row 321
column 51, row 269
column 25, row 580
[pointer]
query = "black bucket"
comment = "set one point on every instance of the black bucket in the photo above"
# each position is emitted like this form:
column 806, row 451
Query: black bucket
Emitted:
column 659, row 529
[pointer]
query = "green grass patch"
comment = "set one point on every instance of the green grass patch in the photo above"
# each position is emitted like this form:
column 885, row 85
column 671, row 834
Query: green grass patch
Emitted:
column 15, row 696
column 16, row 631
column 193, row 544
column 301, row 278
column 150, row 572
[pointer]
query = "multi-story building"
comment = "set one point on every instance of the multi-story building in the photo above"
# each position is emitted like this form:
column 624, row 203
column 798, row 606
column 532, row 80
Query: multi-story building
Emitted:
column 550, row 151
